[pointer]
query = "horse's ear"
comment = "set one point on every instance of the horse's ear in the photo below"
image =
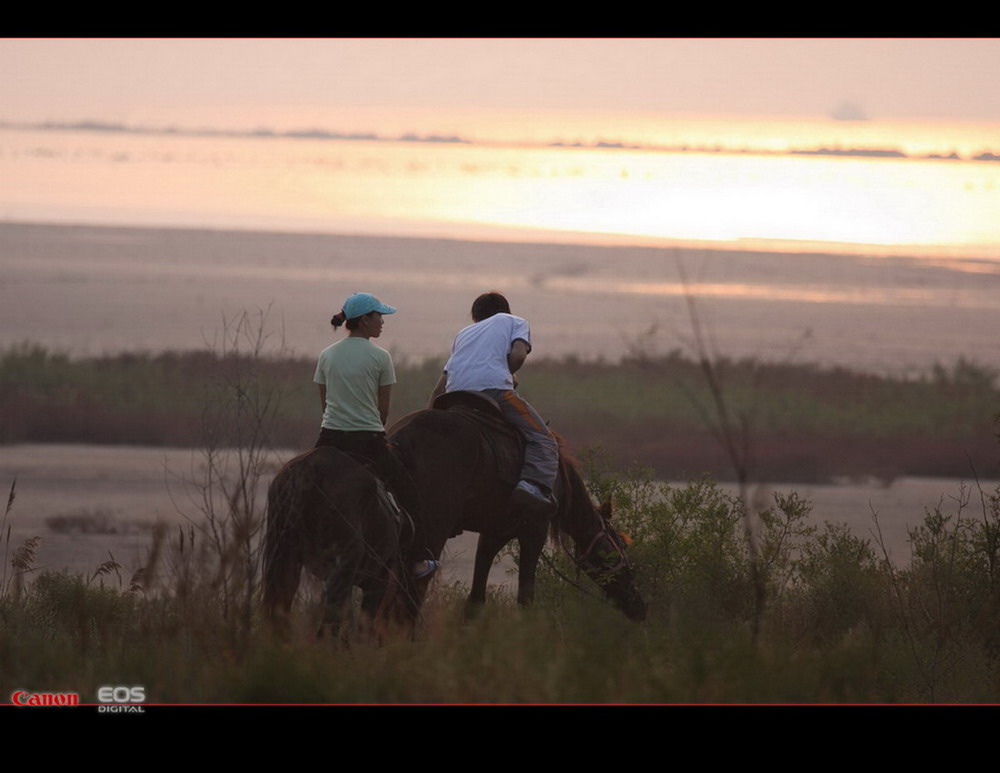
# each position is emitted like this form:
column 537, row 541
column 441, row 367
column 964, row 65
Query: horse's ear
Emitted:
column 606, row 509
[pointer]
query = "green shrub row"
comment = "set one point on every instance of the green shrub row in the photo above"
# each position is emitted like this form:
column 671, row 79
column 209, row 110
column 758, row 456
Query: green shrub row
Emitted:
column 805, row 423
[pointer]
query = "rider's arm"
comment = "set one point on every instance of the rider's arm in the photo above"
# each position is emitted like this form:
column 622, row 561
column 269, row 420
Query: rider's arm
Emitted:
column 517, row 355
column 322, row 396
column 439, row 389
column 384, row 398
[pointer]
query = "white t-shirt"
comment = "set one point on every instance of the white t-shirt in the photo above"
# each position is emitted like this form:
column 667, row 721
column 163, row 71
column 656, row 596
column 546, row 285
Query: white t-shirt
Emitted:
column 479, row 355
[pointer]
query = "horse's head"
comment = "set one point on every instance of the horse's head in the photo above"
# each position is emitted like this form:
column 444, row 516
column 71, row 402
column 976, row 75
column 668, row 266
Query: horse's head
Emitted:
column 600, row 550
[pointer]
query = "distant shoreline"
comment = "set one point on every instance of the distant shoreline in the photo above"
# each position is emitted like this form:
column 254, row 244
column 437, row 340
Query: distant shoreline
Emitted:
column 106, row 127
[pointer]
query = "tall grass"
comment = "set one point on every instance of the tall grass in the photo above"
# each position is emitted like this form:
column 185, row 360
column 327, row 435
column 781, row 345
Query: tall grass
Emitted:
column 810, row 423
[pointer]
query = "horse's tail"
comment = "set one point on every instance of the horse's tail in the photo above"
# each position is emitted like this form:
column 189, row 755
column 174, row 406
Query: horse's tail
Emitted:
column 282, row 545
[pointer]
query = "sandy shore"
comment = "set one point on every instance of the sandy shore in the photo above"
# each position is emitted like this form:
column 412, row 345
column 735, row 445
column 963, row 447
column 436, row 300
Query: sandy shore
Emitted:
column 133, row 487
column 89, row 290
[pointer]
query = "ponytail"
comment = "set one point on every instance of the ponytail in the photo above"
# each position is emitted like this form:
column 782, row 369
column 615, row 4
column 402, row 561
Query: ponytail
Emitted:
column 338, row 319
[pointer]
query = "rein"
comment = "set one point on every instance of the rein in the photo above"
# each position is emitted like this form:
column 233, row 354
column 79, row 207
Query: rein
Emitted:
column 555, row 570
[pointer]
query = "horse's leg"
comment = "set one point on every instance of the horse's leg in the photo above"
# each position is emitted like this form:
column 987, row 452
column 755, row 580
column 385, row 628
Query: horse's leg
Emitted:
column 280, row 585
column 376, row 601
column 446, row 504
column 384, row 578
column 531, row 541
column 335, row 595
column 371, row 597
column 341, row 571
column 487, row 547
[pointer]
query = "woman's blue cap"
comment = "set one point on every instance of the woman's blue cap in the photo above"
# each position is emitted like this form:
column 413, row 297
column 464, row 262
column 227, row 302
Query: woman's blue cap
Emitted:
column 360, row 304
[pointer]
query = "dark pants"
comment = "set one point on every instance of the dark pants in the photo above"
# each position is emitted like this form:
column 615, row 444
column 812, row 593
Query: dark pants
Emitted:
column 373, row 447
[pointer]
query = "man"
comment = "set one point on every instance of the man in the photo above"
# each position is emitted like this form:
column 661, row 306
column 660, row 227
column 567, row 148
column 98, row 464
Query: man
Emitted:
column 484, row 358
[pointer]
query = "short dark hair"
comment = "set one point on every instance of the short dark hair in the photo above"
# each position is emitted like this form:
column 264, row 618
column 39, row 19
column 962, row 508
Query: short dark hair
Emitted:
column 488, row 304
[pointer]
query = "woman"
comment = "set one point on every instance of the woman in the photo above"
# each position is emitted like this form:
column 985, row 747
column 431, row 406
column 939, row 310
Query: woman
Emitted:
column 355, row 379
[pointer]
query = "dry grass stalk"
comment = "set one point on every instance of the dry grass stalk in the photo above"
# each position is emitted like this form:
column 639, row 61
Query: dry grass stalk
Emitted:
column 23, row 563
column 106, row 568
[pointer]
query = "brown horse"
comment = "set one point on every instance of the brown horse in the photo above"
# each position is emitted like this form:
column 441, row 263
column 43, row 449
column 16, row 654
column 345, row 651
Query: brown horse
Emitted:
column 328, row 513
column 464, row 462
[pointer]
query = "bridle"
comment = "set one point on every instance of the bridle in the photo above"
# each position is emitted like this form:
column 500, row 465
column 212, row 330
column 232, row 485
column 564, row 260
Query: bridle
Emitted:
column 616, row 542
column 607, row 532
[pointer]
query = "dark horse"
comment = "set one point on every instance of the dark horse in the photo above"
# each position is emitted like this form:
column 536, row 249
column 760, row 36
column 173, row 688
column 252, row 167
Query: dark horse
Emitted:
column 328, row 513
column 465, row 461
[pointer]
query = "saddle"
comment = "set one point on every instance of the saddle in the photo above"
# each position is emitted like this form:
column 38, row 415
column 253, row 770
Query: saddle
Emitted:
column 473, row 401
column 479, row 408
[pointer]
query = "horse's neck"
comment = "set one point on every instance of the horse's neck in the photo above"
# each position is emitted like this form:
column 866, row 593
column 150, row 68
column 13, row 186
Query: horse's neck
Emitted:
column 578, row 518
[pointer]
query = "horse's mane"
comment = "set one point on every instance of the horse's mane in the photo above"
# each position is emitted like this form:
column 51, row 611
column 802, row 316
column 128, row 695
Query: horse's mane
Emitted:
column 573, row 489
column 564, row 452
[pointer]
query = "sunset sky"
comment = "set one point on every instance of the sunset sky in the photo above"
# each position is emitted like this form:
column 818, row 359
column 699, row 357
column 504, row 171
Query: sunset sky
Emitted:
column 476, row 86
column 922, row 96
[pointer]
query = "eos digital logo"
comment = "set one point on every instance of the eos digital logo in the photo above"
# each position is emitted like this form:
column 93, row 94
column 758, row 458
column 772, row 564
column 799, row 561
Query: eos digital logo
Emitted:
column 121, row 700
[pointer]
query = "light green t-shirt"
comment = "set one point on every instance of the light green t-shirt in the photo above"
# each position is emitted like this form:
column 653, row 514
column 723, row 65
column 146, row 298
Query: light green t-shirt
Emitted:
column 352, row 370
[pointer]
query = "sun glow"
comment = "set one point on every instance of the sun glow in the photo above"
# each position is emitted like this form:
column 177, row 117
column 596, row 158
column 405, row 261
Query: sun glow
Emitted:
column 716, row 198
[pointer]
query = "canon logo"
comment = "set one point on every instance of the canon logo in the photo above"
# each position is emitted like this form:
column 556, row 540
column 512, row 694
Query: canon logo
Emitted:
column 25, row 698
